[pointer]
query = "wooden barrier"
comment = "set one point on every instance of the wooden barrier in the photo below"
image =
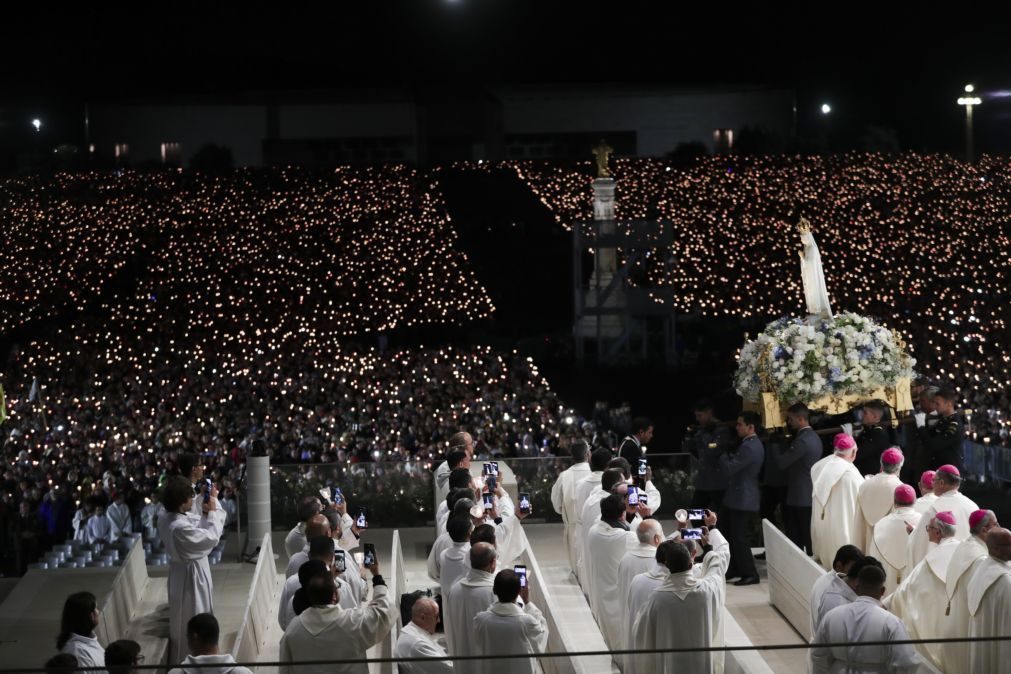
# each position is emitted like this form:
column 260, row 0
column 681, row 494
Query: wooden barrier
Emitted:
column 260, row 614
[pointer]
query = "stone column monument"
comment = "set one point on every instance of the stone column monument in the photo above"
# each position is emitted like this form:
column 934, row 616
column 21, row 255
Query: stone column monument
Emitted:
column 606, row 262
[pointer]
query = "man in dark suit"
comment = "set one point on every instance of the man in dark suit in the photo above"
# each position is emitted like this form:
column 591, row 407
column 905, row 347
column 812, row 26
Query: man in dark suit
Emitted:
column 796, row 462
column 742, row 498
column 710, row 441
column 872, row 440
column 639, row 433
column 942, row 442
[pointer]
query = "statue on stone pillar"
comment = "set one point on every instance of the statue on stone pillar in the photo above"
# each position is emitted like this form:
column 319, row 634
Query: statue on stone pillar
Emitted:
column 602, row 152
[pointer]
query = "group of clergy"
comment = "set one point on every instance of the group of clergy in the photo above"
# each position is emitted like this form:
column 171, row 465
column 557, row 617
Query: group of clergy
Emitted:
column 943, row 564
column 645, row 589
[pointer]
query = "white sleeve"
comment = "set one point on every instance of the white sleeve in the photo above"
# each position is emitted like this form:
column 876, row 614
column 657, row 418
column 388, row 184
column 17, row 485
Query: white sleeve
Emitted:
column 536, row 630
column 654, row 497
column 556, row 495
column 198, row 541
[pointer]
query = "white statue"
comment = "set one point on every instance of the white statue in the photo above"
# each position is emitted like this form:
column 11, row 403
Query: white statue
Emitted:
column 815, row 292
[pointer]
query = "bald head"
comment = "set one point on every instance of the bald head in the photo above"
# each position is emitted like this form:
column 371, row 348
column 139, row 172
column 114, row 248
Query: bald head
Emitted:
column 998, row 544
column 649, row 532
column 425, row 614
column 318, row 525
column 483, row 557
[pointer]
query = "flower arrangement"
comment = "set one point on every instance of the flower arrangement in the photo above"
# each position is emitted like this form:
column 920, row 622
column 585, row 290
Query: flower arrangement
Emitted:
column 803, row 360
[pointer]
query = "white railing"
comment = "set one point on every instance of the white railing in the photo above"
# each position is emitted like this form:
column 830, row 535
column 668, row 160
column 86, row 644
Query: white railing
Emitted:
column 117, row 613
column 792, row 574
column 260, row 613
column 396, row 583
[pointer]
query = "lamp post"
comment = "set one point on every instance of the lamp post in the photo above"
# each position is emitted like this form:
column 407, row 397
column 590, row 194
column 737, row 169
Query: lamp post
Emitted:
column 968, row 102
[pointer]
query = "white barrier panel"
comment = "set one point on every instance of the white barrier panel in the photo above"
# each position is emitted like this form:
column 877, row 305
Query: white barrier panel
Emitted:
column 397, row 584
column 117, row 612
column 261, row 607
column 792, row 574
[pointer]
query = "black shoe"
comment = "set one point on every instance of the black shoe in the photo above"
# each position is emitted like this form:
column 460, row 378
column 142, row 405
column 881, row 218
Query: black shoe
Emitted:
column 751, row 580
column 760, row 556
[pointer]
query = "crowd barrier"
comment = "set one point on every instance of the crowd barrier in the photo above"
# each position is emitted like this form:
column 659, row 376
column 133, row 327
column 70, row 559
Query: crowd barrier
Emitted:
column 987, row 463
column 792, row 574
column 397, row 583
column 260, row 614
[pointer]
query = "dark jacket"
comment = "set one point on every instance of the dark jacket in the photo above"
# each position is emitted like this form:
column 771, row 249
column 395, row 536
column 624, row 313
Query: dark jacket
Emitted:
column 631, row 451
column 742, row 468
column 708, row 444
column 942, row 442
column 796, row 462
column 871, row 443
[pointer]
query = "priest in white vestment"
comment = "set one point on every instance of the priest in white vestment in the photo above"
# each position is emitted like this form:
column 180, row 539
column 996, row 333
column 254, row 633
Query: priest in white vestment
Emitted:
column 417, row 640
column 308, row 507
column 454, row 563
column 589, row 516
column 890, row 538
column 583, row 488
column 459, row 479
column 563, row 496
column 686, row 611
column 641, row 588
column 860, row 621
column 187, row 543
column 989, row 594
column 461, row 441
column 510, row 626
column 327, row 631
column 606, row 544
column 467, row 598
column 876, row 497
column 955, row 655
column 640, row 559
column 833, row 583
column 927, row 495
column 834, row 502
column 947, row 481
column 921, row 598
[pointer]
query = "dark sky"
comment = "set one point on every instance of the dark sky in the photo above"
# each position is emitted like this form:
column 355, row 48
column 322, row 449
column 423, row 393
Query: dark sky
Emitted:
column 900, row 69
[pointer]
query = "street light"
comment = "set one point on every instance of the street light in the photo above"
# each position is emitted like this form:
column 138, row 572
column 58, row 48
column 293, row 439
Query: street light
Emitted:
column 968, row 102
column 825, row 108
column 37, row 123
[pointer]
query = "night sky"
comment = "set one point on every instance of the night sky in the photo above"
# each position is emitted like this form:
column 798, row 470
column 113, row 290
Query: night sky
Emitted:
column 901, row 71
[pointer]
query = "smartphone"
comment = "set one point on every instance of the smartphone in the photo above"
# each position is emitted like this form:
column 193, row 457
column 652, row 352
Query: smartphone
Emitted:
column 369, row 558
column 642, row 467
column 521, row 571
column 486, row 468
column 493, row 467
column 524, row 503
column 698, row 514
column 339, row 561
column 336, row 497
column 488, row 502
column 492, row 482
column 691, row 534
column 643, row 497
column 360, row 521
column 633, row 496
column 207, row 485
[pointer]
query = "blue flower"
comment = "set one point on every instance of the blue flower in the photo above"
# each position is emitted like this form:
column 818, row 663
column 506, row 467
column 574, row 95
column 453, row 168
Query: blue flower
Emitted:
column 781, row 353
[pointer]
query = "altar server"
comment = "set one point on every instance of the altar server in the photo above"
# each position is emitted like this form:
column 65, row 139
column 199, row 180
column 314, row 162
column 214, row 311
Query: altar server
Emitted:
column 834, row 582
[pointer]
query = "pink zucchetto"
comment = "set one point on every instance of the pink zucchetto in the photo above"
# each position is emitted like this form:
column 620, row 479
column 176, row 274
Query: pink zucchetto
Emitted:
column 949, row 469
column 905, row 495
column 892, row 456
column 977, row 516
column 843, row 442
column 927, row 479
column 947, row 517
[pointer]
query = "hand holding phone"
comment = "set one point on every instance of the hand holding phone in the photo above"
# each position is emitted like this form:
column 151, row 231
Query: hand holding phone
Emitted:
column 691, row 534
column 525, row 503
column 633, row 496
column 521, row 571
column 697, row 514
column 369, row 559
column 340, row 564
column 361, row 521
